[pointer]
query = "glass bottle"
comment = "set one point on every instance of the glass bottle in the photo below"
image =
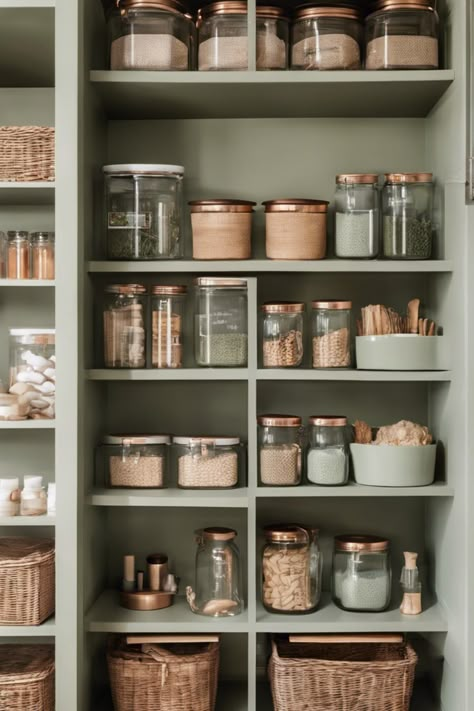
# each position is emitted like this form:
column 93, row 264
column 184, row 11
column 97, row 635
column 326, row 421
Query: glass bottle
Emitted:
column 167, row 312
column 361, row 573
column 280, row 445
column 18, row 255
column 34, row 501
column 357, row 216
column 42, row 255
column 124, row 326
column 408, row 215
column 283, row 334
column 332, row 339
column 328, row 453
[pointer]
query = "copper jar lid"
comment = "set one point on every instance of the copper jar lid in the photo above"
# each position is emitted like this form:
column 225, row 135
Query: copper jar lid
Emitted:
column 279, row 420
column 296, row 205
column 283, row 307
column 408, row 178
column 272, row 11
column 331, row 305
column 287, row 533
column 164, row 290
column 127, row 289
column 307, row 12
column 218, row 534
column 224, row 7
column 136, row 439
column 167, row 5
column 357, row 179
column 221, row 205
column 360, row 543
column 403, row 5
column 328, row 420
column 221, row 282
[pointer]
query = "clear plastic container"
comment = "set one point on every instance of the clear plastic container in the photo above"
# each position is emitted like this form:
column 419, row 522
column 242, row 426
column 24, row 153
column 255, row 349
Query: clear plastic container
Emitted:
column 144, row 211
column 280, row 444
column 18, row 255
column 328, row 454
column 42, row 255
column 331, row 332
column 34, row 501
column 207, row 462
column 408, row 215
column 124, row 326
column 326, row 38
column 167, row 313
column 362, row 575
column 283, row 334
column 273, row 35
column 33, row 370
column 357, row 216
column 222, row 36
column 9, row 497
column 134, row 461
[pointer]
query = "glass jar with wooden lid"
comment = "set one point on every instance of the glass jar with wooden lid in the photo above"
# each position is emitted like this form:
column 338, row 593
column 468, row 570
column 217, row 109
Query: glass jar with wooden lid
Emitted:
column 223, row 36
column 124, row 326
column 280, row 450
column 331, row 332
column 295, row 228
column 408, row 215
column 167, row 313
column 273, row 35
column 357, row 216
column 283, row 334
column 33, row 370
column 361, row 574
column 222, row 229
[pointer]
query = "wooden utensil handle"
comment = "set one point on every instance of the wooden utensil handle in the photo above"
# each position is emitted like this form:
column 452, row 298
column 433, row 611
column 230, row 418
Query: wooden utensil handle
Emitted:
column 347, row 638
column 170, row 638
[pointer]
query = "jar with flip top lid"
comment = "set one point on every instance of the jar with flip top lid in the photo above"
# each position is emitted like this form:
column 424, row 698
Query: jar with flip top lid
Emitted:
column 357, row 216
column 408, row 215
column 283, row 334
column 223, row 36
column 124, row 326
column 207, row 462
column 134, row 461
column 273, row 34
column 280, row 450
column 362, row 574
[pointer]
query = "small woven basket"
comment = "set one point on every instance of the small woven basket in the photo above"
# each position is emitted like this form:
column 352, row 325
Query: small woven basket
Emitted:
column 27, row 677
column 26, row 153
column 26, row 580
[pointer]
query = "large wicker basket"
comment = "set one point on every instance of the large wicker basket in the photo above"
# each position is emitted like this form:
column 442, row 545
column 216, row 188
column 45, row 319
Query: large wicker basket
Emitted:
column 26, row 153
column 26, row 580
column 165, row 677
column 27, row 677
column 343, row 676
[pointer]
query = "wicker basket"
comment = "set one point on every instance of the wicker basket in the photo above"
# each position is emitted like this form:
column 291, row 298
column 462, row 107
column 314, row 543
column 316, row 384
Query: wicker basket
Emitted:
column 27, row 677
column 26, row 580
column 152, row 677
column 26, row 153
column 342, row 676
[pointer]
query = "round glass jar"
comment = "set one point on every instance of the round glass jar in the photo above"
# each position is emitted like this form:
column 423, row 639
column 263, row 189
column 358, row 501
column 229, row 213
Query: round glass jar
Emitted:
column 144, row 211
column 408, row 215
column 357, row 216
column 167, row 312
column 124, row 326
column 18, row 255
column 273, row 36
column 283, row 334
column 10, row 495
column 42, row 255
column 402, row 34
column 326, row 38
column 151, row 35
column 135, row 461
column 362, row 575
column 34, row 501
column 291, row 569
column 328, row 454
column 223, row 36
column 295, row 228
column 222, row 229
column 207, row 462
column 331, row 332
column 280, row 445
column 220, row 322
column 33, row 370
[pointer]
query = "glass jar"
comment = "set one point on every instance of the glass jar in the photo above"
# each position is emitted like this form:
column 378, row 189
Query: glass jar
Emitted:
column 34, row 501
column 402, row 35
column 42, row 255
column 273, row 32
column 52, row 499
column 328, row 453
column 167, row 311
column 362, row 573
column 207, row 462
column 124, row 326
column 144, row 211
column 283, row 334
column 154, row 35
column 9, row 497
column 326, row 38
column 280, row 444
column 218, row 584
column 3, row 255
column 291, row 569
column 33, row 370
column 408, row 215
column 18, row 255
column 134, row 461
column 357, row 216
column 220, row 322
column 332, row 334
column 222, row 36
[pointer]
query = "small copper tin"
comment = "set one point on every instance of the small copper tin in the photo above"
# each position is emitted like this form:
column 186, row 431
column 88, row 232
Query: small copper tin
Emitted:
column 287, row 533
column 126, row 289
column 296, row 205
column 273, row 12
column 224, row 7
column 328, row 420
column 332, row 305
column 357, row 179
column 404, row 178
column 223, row 282
column 218, row 534
column 166, row 5
column 146, row 600
column 358, row 544
column 306, row 12
column 283, row 307
column 279, row 420
column 159, row 290
column 221, row 205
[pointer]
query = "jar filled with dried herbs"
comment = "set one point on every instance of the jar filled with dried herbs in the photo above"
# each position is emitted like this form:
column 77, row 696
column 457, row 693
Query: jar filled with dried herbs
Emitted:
column 407, row 215
column 124, row 326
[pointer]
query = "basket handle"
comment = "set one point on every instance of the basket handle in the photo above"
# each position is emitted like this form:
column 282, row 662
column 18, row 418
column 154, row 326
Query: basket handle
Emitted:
column 170, row 638
column 346, row 638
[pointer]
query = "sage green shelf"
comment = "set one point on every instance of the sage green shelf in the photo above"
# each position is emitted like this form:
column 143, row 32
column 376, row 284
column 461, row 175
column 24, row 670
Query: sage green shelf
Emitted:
column 335, row 374
column 47, row 629
column 232, row 498
column 17, row 283
column 39, row 193
column 354, row 490
column 27, row 43
column 172, row 374
column 27, row 424
column 28, row 521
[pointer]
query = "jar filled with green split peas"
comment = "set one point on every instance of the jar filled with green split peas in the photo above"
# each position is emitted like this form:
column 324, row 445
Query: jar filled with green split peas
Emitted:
column 362, row 573
column 408, row 215
column 357, row 216
column 273, row 36
column 223, row 36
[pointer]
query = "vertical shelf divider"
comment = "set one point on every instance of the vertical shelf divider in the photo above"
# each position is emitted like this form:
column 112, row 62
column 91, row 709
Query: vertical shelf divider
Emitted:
column 252, row 34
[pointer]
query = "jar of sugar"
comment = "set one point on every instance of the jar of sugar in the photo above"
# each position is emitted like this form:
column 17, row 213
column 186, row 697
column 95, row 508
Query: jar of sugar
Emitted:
column 133, row 461
column 280, row 444
column 328, row 454
column 223, row 36
column 331, row 334
column 361, row 575
column 326, row 38
column 207, row 462
column 357, row 216
column 273, row 31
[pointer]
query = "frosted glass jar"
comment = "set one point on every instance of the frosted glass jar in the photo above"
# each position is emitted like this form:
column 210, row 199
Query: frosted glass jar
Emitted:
column 144, row 211
column 280, row 450
column 361, row 573
column 408, row 215
column 34, row 501
column 357, row 216
column 135, row 461
column 167, row 312
column 326, row 38
column 222, row 229
column 295, row 228
column 207, row 462
column 223, row 36
column 220, row 322
column 331, row 333
column 328, row 454
column 273, row 33
column 151, row 34
column 124, row 326
column 9, row 497
column 283, row 334
column 33, row 370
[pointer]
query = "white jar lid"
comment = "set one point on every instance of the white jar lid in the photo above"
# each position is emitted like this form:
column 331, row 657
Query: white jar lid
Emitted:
column 31, row 331
column 9, row 484
column 136, row 439
column 143, row 169
column 217, row 441
column 33, row 482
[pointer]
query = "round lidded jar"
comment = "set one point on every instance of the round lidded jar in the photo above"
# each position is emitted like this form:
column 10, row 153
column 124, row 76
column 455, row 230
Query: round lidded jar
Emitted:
column 124, row 326
column 295, row 228
column 151, row 35
column 326, row 38
column 357, row 216
column 283, row 334
column 34, row 501
column 167, row 311
column 402, row 34
column 18, row 255
column 221, row 228
column 331, row 332
column 328, row 453
column 144, row 211
column 280, row 444
column 42, row 255
column 207, row 462
column 362, row 575
column 223, row 36
column 408, row 215
column 33, row 370
column 273, row 32
column 135, row 461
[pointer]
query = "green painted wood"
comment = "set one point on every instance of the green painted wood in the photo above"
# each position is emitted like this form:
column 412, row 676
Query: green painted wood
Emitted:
column 178, row 498
column 27, row 43
column 26, row 193
column 354, row 490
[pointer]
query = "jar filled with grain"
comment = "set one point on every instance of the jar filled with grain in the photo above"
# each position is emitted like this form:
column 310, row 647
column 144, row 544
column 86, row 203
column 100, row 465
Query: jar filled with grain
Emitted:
column 222, row 229
column 223, row 36
column 283, row 334
column 402, row 34
column 207, row 462
column 34, row 500
column 357, row 216
column 42, row 255
column 280, row 444
column 331, row 332
column 124, row 326
column 291, row 569
column 167, row 312
column 33, row 372
column 326, row 38
column 134, row 461
column 328, row 454
column 18, row 255
column 361, row 575
column 408, row 215
column 295, row 228
column 9, row 497
column 273, row 32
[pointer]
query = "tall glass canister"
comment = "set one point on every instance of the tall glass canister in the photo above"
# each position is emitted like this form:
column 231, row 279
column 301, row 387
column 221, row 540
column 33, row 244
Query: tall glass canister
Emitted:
column 283, row 334
column 167, row 312
column 357, row 216
column 124, row 326
column 408, row 215
column 331, row 331
column 280, row 450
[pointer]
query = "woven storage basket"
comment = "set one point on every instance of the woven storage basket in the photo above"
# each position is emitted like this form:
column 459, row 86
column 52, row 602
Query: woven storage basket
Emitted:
column 26, row 580
column 26, row 677
column 167, row 677
column 221, row 229
column 341, row 676
column 26, row 153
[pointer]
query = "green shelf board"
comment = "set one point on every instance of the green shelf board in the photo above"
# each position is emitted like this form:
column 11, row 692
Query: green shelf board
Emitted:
column 47, row 629
column 39, row 193
column 26, row 283
column 334, row 374
column 29, row 521
column 27, row 424
column 439, row 489
column 232, row 498
column 171, row 374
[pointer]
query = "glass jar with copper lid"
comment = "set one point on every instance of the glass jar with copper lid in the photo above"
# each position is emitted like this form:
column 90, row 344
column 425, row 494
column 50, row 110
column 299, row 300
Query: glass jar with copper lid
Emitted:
column 134, row 461
column 167, row 313
column 124, row 326
column 223, row 36
column 273, row 35
column 361, row 575
column 222, row 229
column 42, row 255
column 18, row 255
column 328, row 453
column 295, row 228
column 280, row 450
column 326, row 38
column 408, row 215
column 283, row 334
column 332, row 334
column 357, row 216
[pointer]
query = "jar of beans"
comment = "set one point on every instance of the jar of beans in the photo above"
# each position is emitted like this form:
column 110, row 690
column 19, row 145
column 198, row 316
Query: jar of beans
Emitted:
column 408, row 215
column 357, row 216
column 283, row 331
column 361, row 573
column 331, row 331
column 280, row 442
column 124, row 326
column 207, row 462
column 326, row 38
column 273, row 30
column 134, row 461
column 223, row 36
column 328, row 454
column 167, row 307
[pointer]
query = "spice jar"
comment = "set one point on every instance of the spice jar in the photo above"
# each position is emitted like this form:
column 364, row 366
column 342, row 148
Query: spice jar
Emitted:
column 357, row 216
column 34, row 501
column 326, row 38
column 223, row 36
column 124, row 326
column 135, row 461
column 9, row 497
column 144, row 211
column 331, row 334
column 33, row 370
column 283, row 334
column 407, row 215
column 3, row 255
column 207, row 462
column 328, row 453
column 273, row 30
column 221, row 228
column 361, row 573
column 220, row 322
column 292, row 569
column 167, row 311
column 280, row 445
column 295, row 229
column 18, row 255
column 42, row 255
column 402, row 34
column 150, row 34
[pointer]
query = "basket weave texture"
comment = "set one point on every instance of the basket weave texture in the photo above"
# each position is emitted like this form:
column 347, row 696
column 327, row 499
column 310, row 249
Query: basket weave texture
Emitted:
column 168, row 677
column 221, row 235
column 26, row 153
column 27, row 677
column 26, row 580
column 341, row 677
